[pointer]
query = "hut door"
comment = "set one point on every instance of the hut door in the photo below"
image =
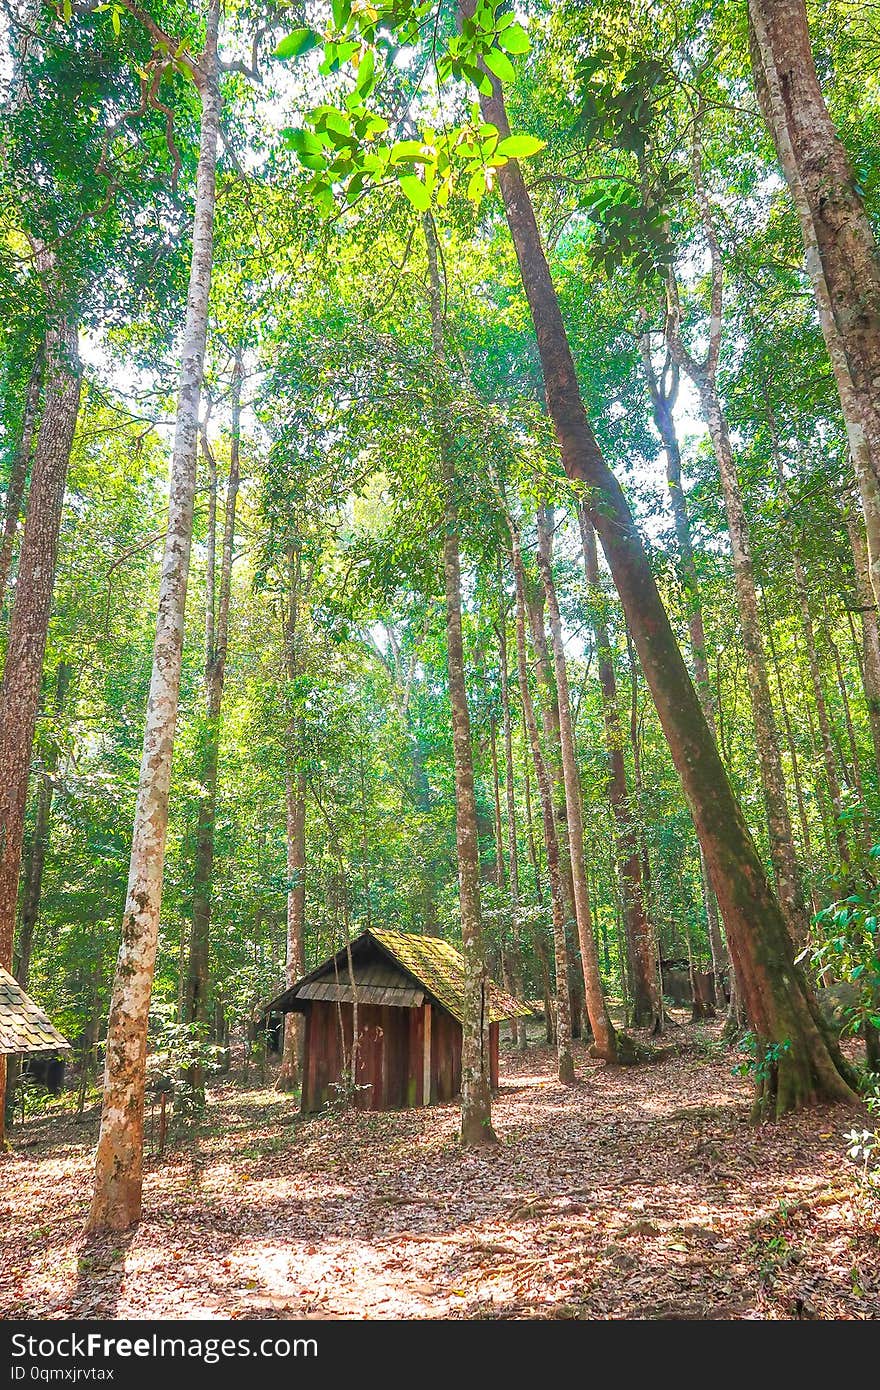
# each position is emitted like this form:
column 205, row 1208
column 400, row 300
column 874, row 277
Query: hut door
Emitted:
column 371, row 1058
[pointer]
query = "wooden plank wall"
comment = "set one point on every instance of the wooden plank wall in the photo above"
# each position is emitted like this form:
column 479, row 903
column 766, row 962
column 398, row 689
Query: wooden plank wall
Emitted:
column 390, row 1056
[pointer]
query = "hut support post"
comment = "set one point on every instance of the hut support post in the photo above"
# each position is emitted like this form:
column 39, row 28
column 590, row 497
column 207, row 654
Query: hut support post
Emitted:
column 426, row 1073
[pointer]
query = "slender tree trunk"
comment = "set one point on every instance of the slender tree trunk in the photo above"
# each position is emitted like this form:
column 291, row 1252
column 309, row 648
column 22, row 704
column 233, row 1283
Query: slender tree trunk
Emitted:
column 289, row 1076
column 780, row 1005
column 496, row 806
column 782, row 850
column 549, row 713
column 36, row 858
column 646, row 1002
column 18, row 474
column 512, row 846
column 867, row 606
column 565, row 1064
column 605, row 1043
column 196, row 1008
column 839, row 241
column 800, row 800
column 853, row 778
column 663, row 389
column 828, row 755
column 116, row 1203
column 476, row 1113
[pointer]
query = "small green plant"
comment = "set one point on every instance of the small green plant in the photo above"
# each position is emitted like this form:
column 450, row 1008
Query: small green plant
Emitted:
column 708, row 1045
column 759, row 1068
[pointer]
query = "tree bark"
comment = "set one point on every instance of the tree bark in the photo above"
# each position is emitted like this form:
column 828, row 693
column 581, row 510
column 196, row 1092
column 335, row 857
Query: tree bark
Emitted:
column 116, row 1201
column 839, row 241
column 18, row 474
column 476, row 1112
column 31, row 610
column 807, row 1064
column 34, row 864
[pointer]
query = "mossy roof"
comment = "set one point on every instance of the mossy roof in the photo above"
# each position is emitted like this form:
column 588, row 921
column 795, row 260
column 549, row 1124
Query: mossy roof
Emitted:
column 440, row 968
column 24, row 1027
column 433, row 964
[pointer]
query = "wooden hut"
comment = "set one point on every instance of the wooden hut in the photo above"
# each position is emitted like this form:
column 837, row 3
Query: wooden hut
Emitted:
column 26, row 1030
column 410, row 992
column 24, row 1027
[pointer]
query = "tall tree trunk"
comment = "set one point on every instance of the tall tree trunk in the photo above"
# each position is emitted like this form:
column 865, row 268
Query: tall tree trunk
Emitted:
column 782, row 849
column 564, row 1062
column 852, row 775
column 605, row 1043
column 828, row 755
column 512, row 846
column 476, row 1113
column 35, row 863
column 839, row 242
column 31, row 610
column 780, row 1004
column 116, row 1202
column 196, row 1004
column 549, row 712
column 704, row 375
column 646, row 1002
column 289, row 1076
column 663, row 389
column 496, row 806
column 18, row 474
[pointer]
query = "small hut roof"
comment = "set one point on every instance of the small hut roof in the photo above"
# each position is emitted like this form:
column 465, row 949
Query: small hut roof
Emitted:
column 23, row 1025
column 440, row 968
column 435, row 967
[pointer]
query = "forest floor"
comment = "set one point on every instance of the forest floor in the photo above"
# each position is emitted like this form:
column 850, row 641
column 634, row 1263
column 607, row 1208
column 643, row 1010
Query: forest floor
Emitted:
column 638, row 1193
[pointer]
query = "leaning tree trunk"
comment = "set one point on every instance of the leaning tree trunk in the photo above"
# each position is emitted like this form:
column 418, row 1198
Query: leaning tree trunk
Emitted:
column 564, row 1061
column 839, row 241
column 800, row 1061
column 646, row 1002
column 29, row 624
column 476, row 1112
column 116, row 1201
column 605, row 1041
column 216, row 645
column 18, row 474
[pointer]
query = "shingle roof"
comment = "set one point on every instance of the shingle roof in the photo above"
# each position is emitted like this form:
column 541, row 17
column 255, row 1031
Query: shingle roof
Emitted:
column 23, row 1025
column 440, row 968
